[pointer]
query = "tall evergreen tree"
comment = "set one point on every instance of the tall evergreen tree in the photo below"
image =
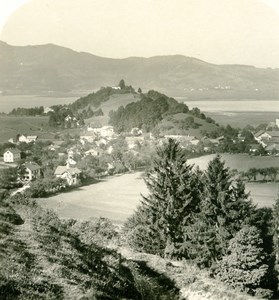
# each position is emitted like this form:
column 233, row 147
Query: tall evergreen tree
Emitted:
column 244, row 266
column 173, row 197
column 224, row 209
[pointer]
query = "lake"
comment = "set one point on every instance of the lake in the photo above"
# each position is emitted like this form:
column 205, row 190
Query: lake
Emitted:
column 117, row 197
column 237, row 113
column 7, row 103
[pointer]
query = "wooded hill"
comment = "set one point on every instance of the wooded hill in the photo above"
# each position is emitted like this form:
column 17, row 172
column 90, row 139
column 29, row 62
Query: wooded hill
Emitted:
column 48, row 69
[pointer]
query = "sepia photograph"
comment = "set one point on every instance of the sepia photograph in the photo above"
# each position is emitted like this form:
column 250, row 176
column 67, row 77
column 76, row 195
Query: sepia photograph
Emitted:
column 139, row 149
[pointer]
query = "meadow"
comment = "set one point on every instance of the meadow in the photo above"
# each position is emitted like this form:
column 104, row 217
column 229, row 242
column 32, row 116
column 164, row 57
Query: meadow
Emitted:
column 117, row 197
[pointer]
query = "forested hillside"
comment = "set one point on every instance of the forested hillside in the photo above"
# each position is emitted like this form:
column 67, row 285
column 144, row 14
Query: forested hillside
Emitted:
column 152, row 109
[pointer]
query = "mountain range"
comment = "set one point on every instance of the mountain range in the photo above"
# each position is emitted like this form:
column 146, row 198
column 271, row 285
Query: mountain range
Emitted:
column 50, row 69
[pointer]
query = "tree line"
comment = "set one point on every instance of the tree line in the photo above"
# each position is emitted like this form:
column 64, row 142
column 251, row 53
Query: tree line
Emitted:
column 266, row 174
column 205, row 217
column 150, row 110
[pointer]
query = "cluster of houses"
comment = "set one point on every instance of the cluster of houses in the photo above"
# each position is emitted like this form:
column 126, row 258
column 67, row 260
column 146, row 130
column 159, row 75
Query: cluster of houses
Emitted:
column 96, row 141
column 23, row 138
column 269, row 140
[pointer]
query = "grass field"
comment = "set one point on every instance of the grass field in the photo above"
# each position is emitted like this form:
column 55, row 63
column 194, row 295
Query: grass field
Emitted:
column 117, row 197
column 241, row 162
column 10, row 126
column 114, row 198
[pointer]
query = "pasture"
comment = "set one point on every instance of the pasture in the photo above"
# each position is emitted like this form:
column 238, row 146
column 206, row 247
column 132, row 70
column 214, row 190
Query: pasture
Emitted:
column 240, row 162
column 117, row 197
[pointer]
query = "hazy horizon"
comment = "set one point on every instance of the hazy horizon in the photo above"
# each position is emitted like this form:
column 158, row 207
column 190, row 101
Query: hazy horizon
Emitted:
column 218, row 32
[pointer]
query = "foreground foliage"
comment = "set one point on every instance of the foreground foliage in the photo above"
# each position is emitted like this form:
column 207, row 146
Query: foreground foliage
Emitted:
column 196, row 215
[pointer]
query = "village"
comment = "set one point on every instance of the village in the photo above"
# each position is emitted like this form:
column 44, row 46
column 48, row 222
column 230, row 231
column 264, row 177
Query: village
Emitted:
column 99, row 151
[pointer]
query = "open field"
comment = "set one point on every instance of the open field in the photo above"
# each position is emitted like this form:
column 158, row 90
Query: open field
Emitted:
column 241, row 162
column 114, row 198
column 117, row 197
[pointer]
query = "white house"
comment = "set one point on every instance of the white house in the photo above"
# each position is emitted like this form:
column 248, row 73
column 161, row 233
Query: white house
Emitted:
column 32, row 171
column 27, row 138
column 11, row 155
column 32, row 138
column 71, row 175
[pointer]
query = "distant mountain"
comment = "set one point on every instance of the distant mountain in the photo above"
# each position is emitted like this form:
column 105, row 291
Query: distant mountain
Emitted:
column 48, row 69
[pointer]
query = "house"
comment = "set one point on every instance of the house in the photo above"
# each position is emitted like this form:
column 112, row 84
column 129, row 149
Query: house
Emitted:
column 105, row 131
column 48, row 110
column 272, row 149
column 254, row 148
column 53, row 147
column 32, row 138
column 195, row 142
column 13, row 140
column 22, row 138
column 11, row 155
column 267, row 137
column 92, row 152
column 71, row 175
column 136, row 131
column 32, row 171
column 87, row 138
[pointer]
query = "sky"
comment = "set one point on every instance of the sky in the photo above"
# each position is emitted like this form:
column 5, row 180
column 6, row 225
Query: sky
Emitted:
column 217, row 31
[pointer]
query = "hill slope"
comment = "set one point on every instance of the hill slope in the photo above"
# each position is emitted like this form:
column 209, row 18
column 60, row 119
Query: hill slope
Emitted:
column 44, row 68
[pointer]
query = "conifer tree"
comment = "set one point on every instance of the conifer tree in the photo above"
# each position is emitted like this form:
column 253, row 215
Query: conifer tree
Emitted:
column 224, row 209
column 244, row 267
column 173, row 197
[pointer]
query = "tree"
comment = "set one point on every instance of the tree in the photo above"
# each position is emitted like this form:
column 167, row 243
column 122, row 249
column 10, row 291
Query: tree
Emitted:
column 276, row 228
column 139, row 90
column 8, row 178
column 244, row 266
column 171, row 203
column 121, row 84
column 224, row 210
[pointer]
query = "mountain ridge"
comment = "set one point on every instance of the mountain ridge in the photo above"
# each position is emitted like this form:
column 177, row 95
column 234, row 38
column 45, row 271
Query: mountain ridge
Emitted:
column 41, row 69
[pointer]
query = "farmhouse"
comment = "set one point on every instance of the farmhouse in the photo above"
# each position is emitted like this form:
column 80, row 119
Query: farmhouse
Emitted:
column 11, row 155
column 32, row 171
column 71, row 175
